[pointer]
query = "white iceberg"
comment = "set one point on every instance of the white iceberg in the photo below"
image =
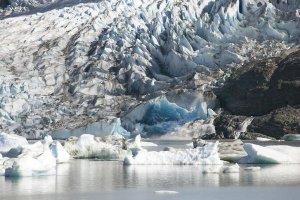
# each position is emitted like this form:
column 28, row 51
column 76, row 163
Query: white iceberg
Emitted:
column 271, row 154
column 88, row 146
column 201, row 155
column 8, row 141
column 36, row 159
column 28, row 165
column 59, row 152
column 291, row 137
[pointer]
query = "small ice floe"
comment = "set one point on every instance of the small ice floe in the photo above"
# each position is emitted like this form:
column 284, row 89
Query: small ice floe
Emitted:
column 252, row 169
column 271, row 154
column 291, row 137
column 166, row 192
column 148, row 144
column 207, row 154
column 231, row 169
column 263, row 139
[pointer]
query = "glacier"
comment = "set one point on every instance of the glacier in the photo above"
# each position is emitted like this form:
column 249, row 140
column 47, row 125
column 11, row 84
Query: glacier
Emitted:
column 68, row 65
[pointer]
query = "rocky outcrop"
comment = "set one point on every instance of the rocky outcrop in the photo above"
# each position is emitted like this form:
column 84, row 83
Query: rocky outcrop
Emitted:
column 262, row 86
column 268, row 89
column 4, row 3
column 278, row 122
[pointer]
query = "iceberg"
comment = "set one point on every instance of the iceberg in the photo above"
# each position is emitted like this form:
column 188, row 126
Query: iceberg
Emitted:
column 207, row 154
column 8, row 141
column 59, row 152
column 36, row 159
column 271, row 154
column 28, row 165
column 89, row 146
column 291, row 137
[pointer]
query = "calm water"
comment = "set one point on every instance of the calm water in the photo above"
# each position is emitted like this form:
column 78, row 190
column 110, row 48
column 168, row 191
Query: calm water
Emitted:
column 90, row 179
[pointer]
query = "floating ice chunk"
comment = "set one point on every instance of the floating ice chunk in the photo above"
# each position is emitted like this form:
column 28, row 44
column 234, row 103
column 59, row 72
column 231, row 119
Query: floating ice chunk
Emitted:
column 271, row 154
column 168, row 192
column 231, row 169
column 59, row 152
column 252, row 169
column 8, row 141
column 263, row 139
column 291, row 137
column 201, row 155
column 28, row 165
column 148, row 144
column 86, row 146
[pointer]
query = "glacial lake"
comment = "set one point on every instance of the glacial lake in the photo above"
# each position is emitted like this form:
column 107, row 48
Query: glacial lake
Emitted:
column 93, row 179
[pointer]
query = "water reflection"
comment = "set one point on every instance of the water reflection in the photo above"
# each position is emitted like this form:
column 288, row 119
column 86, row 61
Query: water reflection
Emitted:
column 84, row 176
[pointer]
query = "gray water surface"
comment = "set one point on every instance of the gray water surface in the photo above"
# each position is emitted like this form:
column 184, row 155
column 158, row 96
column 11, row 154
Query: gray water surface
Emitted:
column 92, row 179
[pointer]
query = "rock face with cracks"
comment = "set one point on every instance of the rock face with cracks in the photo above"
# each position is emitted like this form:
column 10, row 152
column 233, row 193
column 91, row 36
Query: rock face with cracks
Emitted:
column 67, row 64
column 268, row 89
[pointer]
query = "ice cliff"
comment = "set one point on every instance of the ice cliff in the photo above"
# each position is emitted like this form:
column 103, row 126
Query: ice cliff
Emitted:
column 146, row 66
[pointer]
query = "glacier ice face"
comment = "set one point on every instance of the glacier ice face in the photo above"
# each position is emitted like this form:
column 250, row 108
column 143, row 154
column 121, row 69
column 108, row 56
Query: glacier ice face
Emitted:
column 66, row 64
column 163, row 114
column 207, row 155
column 271, row 154
column 100, row 128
